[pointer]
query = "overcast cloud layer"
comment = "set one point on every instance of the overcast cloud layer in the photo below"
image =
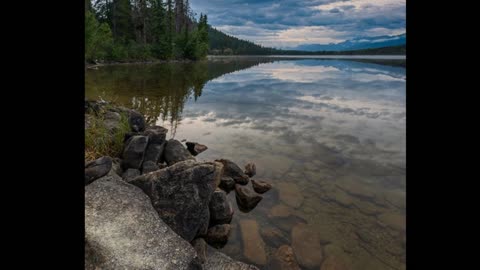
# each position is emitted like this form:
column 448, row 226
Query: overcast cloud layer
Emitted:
column 288, row 23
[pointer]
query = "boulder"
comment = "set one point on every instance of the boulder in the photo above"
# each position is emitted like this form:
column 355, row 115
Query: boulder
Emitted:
column 250, row 169
column 200, row 247
column 181, row 194
column 134, row 152
column 129, row 174
column 112, row 121
column 123, row 231
column 156, row 134
column 175, row 152
column 306, row 245
column 195, row 148
column 261, row 186
column 97, row 168
column 253, row 245
column 232, row 170
column 149, row 166
column 154, row 152
column 221, row 211
column 136, row 121
column 219, row 261
column 227, row 183
column 284, row 259
column 217, row 235
column 246, row 199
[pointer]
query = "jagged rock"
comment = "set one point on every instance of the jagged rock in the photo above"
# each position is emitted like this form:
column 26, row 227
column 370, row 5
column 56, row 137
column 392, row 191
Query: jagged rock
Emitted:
column 200, row 247
column 284, row 259
column 219, row 261
column 97, row 168
column 261, row 186
column 221, row 211
column 175, row 152
column 134, row 152
column 131, row 173
column 154, row 152
column 227, row 184
column 181, row 194
column 123, row 231
column 218, row 235
column 156, row 134
column 246, row 199
column 250, row 169
column 290, row 194
column 232, row 170
column 136, row 121
column 253, row 245
column 306, row 245
column 149, row 166
column 195, row 148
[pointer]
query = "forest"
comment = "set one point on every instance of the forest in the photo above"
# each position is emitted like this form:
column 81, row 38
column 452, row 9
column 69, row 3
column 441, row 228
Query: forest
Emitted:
column 141, row 30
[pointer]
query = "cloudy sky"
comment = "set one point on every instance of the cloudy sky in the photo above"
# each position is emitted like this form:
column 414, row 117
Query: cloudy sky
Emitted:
column 288, row 23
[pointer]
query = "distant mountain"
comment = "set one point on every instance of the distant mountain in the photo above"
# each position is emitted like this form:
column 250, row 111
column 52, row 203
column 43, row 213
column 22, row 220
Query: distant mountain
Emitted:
column 355, row 44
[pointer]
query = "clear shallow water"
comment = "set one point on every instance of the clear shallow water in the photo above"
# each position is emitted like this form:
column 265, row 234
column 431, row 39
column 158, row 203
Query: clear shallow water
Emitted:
column 328, row 134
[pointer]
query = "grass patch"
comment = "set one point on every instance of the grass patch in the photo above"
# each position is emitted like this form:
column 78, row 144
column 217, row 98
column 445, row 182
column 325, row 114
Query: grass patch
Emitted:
column 100, row 141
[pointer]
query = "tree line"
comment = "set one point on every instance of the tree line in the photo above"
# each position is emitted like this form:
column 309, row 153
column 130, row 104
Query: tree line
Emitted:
column 126, row 30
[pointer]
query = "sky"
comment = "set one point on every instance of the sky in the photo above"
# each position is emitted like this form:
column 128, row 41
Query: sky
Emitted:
column 289, row 23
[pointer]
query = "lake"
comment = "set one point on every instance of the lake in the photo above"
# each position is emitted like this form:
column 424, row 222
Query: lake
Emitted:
column 329, row 134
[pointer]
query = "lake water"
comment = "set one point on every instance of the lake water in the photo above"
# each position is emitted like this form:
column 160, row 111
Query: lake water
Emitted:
column 329, row 134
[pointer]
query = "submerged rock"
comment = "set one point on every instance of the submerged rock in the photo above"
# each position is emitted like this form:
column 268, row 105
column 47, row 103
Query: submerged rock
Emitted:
column 136, row 121
column 253, row 245
column 123, row 231
column 232, row 170
column 280, row 210
column 219, row 261
column 394, row 220
column 134, row 152
column 246, row 199
column 333, row 263
column 274, row 237
column 261, row 186
column 221, row 211
column 97, row 168
column 181, row 194
column 284, row 259
column 217, row 235
column 175, row 152
column 227, row 184
column 306, row 245
column 290, row 194
column 195, row 148
column 250, row 169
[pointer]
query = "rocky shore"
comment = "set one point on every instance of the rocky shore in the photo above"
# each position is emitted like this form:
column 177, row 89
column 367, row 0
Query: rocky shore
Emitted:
column 154, row 206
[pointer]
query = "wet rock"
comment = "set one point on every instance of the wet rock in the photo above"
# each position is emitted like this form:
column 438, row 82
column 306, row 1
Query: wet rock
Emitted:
column 134, row 152
column 154, row 152
column 284, row 259
column 200, row 247
column 97, row 168
column 149, row 166
column 181, row 194
column 246, row 199
column 290, row 194
column 123, row 231
column 274, row 237
column 250, row 169
column 175, row 152
column 136, row 121
column 217, row 235
column 333, row 263
column 195, row 148
column 156, row 134
column 221, row 211
column 306, row 245
column 227, row 184
column 394, row 220
column 280, row 210
column 219, row 261
column 129, row 174
column 253, row 245
column 232, row 170
column 261, row 186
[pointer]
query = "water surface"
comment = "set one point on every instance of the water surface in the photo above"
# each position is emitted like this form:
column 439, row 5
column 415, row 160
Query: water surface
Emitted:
column 329, row 134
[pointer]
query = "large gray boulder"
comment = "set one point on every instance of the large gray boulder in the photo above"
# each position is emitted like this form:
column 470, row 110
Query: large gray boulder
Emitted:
column 134, row 152
column 97, row 168
column 123, row 231
column 221, row 210
column 175, row 152
column 181, row 194
column 219, row 261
